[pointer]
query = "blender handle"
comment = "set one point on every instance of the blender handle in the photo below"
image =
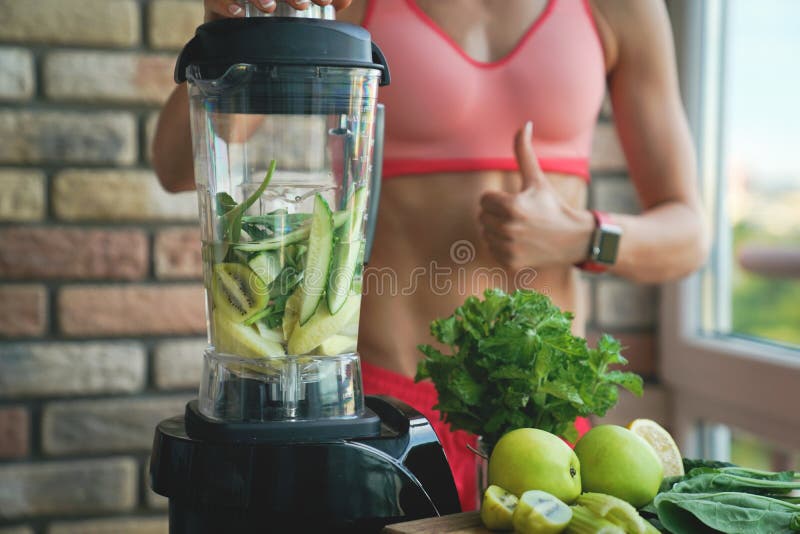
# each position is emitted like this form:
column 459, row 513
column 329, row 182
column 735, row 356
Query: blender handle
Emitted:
column 375, row 180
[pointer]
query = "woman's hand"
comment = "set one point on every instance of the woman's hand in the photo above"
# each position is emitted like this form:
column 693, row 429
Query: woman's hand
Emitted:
column 217, row 9
column 533, row 228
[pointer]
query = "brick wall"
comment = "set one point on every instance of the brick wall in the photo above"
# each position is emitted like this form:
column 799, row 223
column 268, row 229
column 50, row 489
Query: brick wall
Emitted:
column 101, row 311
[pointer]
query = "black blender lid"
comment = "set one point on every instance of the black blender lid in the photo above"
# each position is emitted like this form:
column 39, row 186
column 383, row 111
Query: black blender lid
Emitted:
column 220, row 44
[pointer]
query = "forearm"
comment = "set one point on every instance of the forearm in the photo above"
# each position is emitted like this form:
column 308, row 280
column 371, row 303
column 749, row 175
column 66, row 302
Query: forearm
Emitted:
column 666, row 242
column 172, row 144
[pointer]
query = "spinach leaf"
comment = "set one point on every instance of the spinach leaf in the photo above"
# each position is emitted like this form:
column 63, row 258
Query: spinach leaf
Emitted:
column 690, row 463
column 729, row 512
column 706, row 480
column 513, row 362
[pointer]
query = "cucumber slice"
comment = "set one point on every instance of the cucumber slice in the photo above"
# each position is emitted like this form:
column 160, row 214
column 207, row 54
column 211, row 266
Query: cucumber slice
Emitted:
column 348, row 252
column 282, row 240
column 240, row 340
column 267, row 266
column 306, row 337
column 237, row 291
column 318, row 261
column 336, row 344
column 340, row 217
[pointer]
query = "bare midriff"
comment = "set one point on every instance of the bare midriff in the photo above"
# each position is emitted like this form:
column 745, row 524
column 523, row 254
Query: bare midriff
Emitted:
column 429, row 255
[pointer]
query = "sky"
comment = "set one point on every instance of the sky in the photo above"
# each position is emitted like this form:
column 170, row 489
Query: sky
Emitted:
column 762, row 87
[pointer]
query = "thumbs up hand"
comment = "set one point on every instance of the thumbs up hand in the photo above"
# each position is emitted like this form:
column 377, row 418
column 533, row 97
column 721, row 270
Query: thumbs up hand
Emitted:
column 534, row 227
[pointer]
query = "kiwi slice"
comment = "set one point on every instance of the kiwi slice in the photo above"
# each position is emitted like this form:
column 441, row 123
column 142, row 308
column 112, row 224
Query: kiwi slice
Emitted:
column 237, row 292
column 497, row 508
column 539, row 512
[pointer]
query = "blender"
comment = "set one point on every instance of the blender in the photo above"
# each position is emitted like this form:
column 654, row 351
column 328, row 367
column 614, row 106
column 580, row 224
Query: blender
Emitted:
column 287, row 135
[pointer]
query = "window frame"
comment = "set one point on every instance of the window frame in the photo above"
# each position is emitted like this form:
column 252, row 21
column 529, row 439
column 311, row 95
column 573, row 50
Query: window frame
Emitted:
column 714, row 378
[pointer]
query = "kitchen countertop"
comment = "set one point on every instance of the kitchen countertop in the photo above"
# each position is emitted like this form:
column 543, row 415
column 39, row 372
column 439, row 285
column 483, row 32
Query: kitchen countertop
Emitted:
column 463, row 523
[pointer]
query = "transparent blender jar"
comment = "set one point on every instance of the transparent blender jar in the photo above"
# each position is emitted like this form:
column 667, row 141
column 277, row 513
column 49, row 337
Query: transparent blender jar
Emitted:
column 283, row 164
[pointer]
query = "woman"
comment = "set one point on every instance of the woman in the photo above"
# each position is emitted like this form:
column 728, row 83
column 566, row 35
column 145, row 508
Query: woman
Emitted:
column 490, row 117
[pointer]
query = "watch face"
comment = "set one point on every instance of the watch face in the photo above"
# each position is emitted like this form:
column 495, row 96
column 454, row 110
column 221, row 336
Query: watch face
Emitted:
column 608, row 245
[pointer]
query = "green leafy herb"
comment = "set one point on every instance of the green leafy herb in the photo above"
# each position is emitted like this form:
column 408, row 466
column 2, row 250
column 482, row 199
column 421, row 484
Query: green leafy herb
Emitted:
column 255, row 232
column 514, row 363
column 231, row 213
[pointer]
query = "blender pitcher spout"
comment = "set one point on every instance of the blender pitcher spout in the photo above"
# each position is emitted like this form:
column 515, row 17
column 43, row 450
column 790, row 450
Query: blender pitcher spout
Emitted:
column 236, row 76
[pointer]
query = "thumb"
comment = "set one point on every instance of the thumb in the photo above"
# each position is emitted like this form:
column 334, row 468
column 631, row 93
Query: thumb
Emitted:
column 532, row 175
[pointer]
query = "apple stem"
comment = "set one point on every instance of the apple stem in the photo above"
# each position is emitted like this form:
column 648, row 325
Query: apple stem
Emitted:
column 477, row 452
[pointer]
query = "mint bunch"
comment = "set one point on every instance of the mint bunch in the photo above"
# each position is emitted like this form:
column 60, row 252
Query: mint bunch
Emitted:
column 515, row 364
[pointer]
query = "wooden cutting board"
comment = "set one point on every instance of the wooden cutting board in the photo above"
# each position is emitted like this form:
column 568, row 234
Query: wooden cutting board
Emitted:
column 465, row 523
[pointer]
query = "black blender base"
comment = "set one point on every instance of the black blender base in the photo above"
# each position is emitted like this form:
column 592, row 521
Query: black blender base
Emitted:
column 303, row 484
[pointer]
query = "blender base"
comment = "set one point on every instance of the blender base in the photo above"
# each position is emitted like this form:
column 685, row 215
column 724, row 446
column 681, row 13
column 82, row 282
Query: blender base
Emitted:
column 217, row 484
column 201, row 427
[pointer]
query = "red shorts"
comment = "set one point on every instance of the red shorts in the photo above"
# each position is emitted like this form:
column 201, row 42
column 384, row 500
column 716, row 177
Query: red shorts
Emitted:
column 422, row 396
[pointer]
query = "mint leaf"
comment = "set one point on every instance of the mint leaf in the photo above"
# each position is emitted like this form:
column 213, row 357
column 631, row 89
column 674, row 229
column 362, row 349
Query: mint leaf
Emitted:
column 513, row 362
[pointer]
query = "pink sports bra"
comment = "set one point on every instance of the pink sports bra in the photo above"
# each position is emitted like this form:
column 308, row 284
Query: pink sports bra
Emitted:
column 446, row 112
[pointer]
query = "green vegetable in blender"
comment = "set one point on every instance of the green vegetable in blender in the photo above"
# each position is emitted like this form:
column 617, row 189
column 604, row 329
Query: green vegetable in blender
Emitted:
column 231, row 218
column 348, row 252
column 318, row 263
column 281, row 240
column 322, row 325
column 514, row 363
column 271, row 276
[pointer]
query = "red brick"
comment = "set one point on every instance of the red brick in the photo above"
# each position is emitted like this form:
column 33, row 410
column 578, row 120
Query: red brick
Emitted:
column 13, row 432
column 73, row 253
column 638, row 348
column 177, row 253
column 23, row 310
column 131, row 310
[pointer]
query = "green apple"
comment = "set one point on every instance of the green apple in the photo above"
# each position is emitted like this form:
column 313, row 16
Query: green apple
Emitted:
column 497, row 508
column 538, row 512
column 532, row 459
column 620, row 463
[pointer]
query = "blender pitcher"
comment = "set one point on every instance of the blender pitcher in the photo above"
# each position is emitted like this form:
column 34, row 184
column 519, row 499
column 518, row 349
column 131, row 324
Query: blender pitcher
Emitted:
column 286, row 134
column 284, row 142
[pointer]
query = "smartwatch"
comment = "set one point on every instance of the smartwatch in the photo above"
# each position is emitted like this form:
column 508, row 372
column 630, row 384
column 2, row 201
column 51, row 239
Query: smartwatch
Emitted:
column 604, row 245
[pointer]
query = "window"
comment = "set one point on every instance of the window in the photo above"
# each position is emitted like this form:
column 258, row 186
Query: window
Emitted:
column 730, row 335
column 760, row 165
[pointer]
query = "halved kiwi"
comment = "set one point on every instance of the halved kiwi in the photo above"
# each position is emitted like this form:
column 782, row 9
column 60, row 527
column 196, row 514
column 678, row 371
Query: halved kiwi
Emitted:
column 497, row 508
column 237, row 292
